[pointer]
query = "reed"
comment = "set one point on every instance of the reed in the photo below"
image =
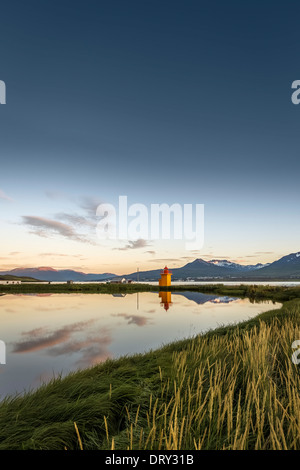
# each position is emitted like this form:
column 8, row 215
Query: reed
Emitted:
column 239, row 392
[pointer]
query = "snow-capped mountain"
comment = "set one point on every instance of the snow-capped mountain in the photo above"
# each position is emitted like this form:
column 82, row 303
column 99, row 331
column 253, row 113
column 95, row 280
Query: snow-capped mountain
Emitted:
column 224, row 263
column 286, row 267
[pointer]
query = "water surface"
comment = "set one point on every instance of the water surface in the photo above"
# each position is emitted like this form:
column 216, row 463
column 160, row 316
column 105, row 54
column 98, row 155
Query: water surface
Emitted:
column 49, row 334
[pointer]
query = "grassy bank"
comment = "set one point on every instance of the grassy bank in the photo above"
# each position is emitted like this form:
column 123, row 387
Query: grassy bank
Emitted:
column 232, row 388
column 64, row 288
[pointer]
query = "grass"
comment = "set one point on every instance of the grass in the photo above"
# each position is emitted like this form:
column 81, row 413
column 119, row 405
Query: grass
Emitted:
column 64, row 288
column 231, row 388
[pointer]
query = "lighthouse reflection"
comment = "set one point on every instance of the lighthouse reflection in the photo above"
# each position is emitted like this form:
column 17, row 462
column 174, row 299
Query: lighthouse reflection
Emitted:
column 166, row 299
column 165, row 302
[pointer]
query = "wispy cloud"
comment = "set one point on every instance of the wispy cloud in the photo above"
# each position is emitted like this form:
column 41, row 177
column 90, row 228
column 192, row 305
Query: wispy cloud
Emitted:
column 76, row 219
column 5, row 197
column 60, row 255
column 44, row 227
column 164, row 260
column 134, row 244
column 89, row 204
column 57, row 195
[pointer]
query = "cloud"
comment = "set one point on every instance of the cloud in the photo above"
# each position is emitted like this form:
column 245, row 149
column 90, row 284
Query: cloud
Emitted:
column 53, row 254
column 4, row 196
column 134, row 244
column 56, row 195
column 46, row 227
column 90, row 204
column 164, row 260
column 76, row 219
column 216, row 256
column 61, row 255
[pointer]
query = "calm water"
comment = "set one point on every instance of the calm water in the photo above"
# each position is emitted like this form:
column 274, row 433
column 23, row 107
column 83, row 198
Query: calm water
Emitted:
column 48, row 334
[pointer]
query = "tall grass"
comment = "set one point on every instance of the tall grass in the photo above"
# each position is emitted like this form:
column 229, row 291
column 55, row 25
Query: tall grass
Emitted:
column 232, row 393
column 234, row 388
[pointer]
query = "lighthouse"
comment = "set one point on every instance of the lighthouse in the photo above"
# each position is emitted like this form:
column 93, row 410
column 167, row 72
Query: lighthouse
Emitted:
column 165, row 278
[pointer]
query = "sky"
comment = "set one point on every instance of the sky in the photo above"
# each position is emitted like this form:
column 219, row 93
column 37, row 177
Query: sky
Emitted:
column 164, row 102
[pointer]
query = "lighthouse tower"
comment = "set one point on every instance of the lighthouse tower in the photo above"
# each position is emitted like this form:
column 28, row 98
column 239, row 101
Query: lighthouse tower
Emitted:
column 165, row 280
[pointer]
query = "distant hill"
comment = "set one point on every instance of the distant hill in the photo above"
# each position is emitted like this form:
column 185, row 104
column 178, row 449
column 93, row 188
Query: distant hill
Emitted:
column 215, row 269
column 197, row 268
column 50, row 274
column 286, row 267
column 8, row 277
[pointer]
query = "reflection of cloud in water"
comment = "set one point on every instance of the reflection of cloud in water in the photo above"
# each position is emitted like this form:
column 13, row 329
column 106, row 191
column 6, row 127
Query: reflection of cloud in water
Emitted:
column 50, row 309
column 36, row 341
column 93, row 349
column 138, row 320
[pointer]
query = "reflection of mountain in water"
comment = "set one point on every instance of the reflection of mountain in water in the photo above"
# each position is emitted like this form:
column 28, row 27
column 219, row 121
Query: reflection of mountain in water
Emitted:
column 197, row 297
column 200, row 298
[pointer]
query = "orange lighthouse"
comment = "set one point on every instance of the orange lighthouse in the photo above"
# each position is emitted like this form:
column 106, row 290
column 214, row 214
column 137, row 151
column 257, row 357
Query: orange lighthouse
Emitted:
column 165, row 280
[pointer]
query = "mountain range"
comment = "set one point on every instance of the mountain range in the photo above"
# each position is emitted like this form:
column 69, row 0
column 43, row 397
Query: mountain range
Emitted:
column 50, row 274
column 287, row 267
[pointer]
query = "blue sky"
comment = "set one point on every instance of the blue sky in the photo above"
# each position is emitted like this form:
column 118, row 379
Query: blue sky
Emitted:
column 162, row 101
